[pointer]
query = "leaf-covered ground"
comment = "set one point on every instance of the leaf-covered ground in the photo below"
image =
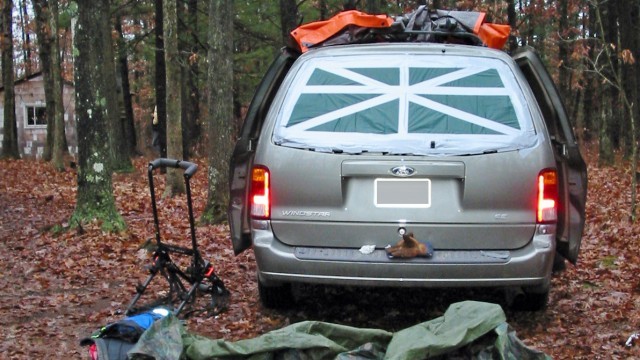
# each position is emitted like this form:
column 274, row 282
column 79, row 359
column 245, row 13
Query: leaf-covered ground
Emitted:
column 58, row 286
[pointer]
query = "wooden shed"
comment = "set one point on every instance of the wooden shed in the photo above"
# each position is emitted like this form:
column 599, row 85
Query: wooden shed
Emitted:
column 32, row 119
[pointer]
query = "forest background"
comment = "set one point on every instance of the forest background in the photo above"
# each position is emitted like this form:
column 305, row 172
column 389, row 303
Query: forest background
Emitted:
column 195, row 64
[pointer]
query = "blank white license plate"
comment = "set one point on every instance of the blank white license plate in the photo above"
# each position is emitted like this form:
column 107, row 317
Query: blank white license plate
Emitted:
column 402, row 193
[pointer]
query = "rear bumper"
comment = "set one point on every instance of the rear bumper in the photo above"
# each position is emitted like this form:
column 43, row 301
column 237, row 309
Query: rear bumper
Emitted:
column 528, row 266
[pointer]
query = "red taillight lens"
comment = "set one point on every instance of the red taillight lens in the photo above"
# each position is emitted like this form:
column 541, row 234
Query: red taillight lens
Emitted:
column 547, row 196
column 260, row 195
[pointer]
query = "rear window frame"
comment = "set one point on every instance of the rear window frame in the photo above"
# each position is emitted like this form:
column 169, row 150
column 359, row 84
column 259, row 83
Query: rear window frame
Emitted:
column 422, row 143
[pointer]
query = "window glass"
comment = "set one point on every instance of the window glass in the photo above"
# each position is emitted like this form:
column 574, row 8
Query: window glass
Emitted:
column 489, row 112
column 312, row 106
column 420, row 74
column 389, row 76
column 407, row 104
column 378, row 119
column 321, row 77
column 441, row 123
column 36, row 115
column 485, row 79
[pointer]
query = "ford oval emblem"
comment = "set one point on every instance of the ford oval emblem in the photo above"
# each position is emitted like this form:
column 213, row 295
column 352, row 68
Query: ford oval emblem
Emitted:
column 403, row 171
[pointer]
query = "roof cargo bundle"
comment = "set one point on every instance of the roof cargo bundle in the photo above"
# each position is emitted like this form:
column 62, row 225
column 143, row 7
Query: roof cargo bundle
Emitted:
column 421, row 25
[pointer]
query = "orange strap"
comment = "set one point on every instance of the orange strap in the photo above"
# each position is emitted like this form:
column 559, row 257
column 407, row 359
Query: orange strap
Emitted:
column 316, row 32
column 494, row 35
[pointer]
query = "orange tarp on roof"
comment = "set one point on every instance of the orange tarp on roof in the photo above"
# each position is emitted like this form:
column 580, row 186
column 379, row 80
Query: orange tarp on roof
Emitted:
column 316, row 32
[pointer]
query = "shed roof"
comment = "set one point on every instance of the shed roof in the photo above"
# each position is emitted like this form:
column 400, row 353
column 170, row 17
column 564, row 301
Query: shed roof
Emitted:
column 30, row 77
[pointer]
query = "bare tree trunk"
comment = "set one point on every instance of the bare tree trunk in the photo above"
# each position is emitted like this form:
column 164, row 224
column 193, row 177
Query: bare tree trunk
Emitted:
column 59, row 144
column 563, row 52
column 187, row 48
column 324, row 11
column 618, row 115
column 512, row 19
column 629, row 44
column 26, row 38
column 160, row 80
column 288, row 18
column 349, row 5
column 10, row 133
column 220, row 103
column 589, row 104
column 95, row 195
column 530, row 24
column 175, row 183
column 629, row 51
column 123, row 67
column 120, row 160
column 609, row 131
column 47, row 30
column 43, row 32
column 373, row 6
column 191, row 92
column 605, row 151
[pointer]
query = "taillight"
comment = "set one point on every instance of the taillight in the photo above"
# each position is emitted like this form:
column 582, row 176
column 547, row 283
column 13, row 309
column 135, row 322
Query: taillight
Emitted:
column 259, row 196
column 547, row 196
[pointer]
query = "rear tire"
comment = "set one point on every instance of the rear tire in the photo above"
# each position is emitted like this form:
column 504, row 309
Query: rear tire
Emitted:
column 534, row 299
column 559, row 264
column 275, row 297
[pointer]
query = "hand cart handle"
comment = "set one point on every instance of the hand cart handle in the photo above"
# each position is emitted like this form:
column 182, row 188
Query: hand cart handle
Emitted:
column 189, row 167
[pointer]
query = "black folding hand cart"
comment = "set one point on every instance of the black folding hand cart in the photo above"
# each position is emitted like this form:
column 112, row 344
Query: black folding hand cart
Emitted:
column 185, row 282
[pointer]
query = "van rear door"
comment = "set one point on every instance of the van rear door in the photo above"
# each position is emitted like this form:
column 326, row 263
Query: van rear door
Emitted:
column 242, row 157
column 367, row 140
column 571, row 167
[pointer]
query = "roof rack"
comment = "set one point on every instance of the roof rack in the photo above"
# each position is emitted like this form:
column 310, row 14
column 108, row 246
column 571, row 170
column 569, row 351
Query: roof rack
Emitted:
column 421, row 25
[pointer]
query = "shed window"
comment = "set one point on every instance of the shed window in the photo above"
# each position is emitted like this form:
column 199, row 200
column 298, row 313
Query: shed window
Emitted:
column 36, row 115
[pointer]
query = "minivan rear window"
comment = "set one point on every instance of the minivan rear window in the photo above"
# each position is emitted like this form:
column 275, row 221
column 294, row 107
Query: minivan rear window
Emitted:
column 404, row 104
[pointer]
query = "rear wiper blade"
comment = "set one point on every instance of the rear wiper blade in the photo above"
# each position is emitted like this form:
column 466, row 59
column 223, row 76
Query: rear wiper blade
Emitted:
column 399, row 154
column 348, row 152
column 485, row 152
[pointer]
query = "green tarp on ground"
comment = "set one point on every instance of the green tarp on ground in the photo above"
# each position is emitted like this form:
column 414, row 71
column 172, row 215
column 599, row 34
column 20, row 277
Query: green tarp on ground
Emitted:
column 468, row 329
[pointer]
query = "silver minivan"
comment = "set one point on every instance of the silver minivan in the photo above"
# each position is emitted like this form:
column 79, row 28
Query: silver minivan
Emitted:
column 346, row 148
